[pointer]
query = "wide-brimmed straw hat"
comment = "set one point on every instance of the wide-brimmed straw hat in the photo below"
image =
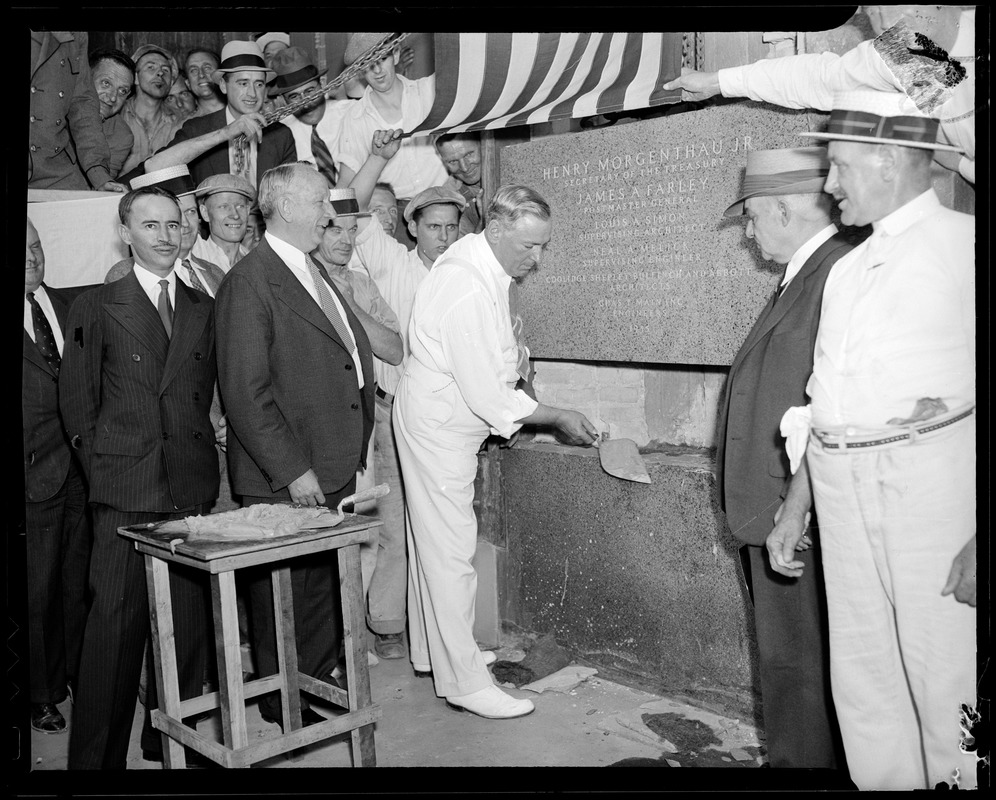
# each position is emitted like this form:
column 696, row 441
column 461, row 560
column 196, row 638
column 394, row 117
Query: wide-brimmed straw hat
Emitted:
column 293, row 68
column 174, row 179
column 880, row 118
column 792, row 170
column 239, row 56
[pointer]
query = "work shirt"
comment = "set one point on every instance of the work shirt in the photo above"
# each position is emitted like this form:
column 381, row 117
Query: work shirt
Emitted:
column 461, row 332
column 898, row 320
column 45, row 303
column 810, row 80
column 294, row 259
column 151, row 140
column 397, row 273
column 417, row 165
column 209, row 250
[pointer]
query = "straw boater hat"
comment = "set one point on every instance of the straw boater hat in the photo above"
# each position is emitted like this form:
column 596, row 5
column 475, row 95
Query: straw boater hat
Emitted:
column 433, row 196
column 239, row 56
column 174, row 179
column 358, row 44
column 294, row 68
column 880, row 118
column 795, row 170
column 345, row 204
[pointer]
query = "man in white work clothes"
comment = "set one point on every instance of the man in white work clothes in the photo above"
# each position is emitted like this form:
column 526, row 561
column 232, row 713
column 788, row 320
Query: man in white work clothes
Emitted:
column 459, row 387
column 891, row 455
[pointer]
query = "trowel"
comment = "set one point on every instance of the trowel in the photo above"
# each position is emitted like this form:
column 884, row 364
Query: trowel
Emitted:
column 621, row 459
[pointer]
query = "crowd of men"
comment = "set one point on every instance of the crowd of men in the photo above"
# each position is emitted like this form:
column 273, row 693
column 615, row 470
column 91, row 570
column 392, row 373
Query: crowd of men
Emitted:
column 330, row 282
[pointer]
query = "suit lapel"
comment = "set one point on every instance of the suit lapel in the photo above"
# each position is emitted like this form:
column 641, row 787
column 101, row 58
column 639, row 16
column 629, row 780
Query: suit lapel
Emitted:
column 189, row 318
column 131, row 307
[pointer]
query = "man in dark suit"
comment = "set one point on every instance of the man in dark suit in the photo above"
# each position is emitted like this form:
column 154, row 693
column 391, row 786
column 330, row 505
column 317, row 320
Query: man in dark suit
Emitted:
column 137, row 381
column 297, row 382
column 242, row 78
column 789, row 218
column 56, row 527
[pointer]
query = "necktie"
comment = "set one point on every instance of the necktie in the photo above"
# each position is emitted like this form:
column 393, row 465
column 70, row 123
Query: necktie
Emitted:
column 165, row 307
column 328, row 305
column 195, row 281
column 522, row 364
column 323, row 158
column 44, row 337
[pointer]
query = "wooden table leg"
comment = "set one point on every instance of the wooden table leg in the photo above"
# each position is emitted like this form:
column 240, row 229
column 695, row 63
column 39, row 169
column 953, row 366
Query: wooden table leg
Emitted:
column 283, row 612
column 357, row 672
column 229, row 653
column 164, row 654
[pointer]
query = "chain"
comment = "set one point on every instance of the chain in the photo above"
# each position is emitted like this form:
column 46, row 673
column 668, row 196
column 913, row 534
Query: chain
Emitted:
column 372, row 56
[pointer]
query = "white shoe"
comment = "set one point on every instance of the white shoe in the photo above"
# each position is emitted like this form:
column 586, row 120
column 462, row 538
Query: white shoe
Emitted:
column 491, row 703
column 488, row 656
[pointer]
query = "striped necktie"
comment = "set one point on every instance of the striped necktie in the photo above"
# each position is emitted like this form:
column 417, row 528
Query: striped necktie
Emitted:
column 323, row 158
column 329, row 307
column 195, row 281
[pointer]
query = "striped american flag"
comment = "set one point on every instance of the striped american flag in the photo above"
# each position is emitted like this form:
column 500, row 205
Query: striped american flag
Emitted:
column 501, row 80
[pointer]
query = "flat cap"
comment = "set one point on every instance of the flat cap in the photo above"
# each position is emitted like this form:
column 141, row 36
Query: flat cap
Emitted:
column 359, row 43
column 226, row 182
column 432, row 196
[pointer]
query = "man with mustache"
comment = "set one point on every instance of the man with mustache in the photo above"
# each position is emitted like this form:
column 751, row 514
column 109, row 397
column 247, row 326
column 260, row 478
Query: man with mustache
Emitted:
column 152, row 120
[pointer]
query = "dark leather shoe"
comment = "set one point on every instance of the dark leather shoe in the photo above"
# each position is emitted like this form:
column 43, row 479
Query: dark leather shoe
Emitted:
column 389, row 645
column 46, row 718
column 308, row 717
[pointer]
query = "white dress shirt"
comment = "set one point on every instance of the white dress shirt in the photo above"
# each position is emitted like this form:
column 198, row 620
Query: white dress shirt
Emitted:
column 149, row 282
column 417, row 165
column 801, row 256
column 397, row 272
column 45, row 303
column 294, row 259
column 461, row 333
column 898, row 320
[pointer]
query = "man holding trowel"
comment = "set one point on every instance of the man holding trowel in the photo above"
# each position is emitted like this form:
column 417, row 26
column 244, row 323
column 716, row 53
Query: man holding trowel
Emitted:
column 459, row 386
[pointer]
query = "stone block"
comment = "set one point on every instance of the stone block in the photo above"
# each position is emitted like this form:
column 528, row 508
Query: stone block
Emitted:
column 633, row 576
column 642, row 265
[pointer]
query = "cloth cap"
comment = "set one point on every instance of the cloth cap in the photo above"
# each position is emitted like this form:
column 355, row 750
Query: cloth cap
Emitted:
column 344, row 203
column 145, row 49
column 795, row 170
column 880, row 118
column 174, row 179
column 432, row 196
column 226, row 182
column 293, row 68
column 239, row 56
column 266, row 38
column 359, row 43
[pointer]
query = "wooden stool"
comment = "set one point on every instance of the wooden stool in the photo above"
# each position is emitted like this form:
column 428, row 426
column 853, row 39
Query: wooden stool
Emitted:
column 221, row 559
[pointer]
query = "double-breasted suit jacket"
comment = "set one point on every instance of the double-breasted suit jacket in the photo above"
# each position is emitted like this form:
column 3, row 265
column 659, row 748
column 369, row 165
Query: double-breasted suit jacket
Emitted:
column 288, row 382
column 768, row 375
column 136, row 404
column 276, row 148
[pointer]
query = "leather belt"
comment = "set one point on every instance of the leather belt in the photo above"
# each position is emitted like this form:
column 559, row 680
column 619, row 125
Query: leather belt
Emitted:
column 841, row 441
column 384, row 395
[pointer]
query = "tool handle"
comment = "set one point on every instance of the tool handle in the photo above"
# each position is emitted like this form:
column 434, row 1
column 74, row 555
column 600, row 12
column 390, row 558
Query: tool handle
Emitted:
column 367, row 494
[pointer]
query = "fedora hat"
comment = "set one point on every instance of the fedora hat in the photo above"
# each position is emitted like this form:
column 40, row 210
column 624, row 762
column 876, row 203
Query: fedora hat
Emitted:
column 173, row 179
column 880, row 118
column 359, row 43
column 239, row 56
column 795, row 170
column 293, row 68
column 263, row 39
column 344, row 203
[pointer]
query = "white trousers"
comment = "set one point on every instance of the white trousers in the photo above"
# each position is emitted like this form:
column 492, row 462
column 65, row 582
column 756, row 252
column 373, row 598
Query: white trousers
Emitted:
column 437, row 438
column 902, row 657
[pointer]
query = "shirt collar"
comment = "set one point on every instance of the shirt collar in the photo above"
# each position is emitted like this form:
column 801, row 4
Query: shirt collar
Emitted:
column 149, row 280
column 289, row 254
column 488, row 258
column 801, row 256
column 907, row 216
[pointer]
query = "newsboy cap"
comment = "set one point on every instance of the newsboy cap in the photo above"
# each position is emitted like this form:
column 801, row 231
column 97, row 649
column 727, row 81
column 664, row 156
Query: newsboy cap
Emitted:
column 225, row 182
column 432, row 196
